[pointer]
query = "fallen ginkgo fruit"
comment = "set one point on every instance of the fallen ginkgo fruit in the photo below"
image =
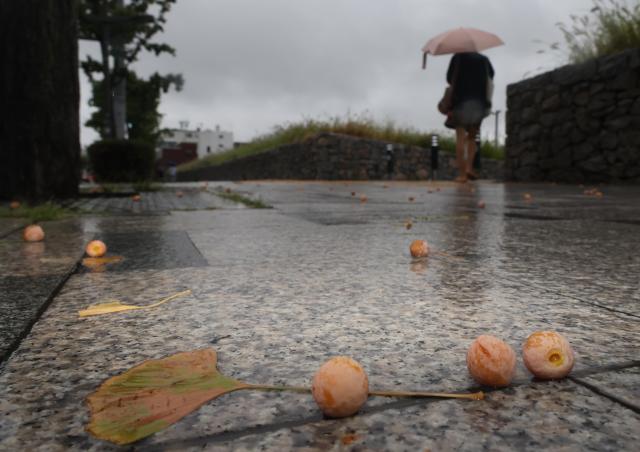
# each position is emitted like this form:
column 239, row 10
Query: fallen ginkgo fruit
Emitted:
column 481, row 204
column 340, row 387
column 136, row 198
column 14, row 204
column 419, row 248
column 548, row 355
column 33, row 233
column 96, row 248
column 491, row 361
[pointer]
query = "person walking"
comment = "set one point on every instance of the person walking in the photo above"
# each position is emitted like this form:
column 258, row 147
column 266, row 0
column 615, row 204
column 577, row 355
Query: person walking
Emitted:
column 470, row 76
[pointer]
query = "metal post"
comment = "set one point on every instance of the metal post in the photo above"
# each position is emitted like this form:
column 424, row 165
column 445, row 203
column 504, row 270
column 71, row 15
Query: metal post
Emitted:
column 434, row 156
column 390, row 157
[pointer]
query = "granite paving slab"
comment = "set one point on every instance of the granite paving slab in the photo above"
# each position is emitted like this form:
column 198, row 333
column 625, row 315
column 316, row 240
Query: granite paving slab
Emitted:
column 621, row 384
column 552, row 416
column 21, row 300
column 322, row 274
column 277, row 326
column 142, row 250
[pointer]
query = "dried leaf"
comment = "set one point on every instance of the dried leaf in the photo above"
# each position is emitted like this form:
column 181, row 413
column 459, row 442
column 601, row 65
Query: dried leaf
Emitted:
column 155, row 395
column 117, row 306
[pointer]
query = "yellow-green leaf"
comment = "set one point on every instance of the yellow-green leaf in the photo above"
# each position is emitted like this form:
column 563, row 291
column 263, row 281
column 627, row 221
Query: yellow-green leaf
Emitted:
column 156, row 394
column 117, row 306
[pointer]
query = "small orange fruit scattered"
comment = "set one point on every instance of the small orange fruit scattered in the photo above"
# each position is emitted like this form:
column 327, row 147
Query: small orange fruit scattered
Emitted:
column 363, row 199
column 179, row 194
column 408, row 225
column 419, row 248
column 491, row 361
column 96, row 248
column 340, row 387
column 136, row 198
column 481, row 204
column 33, row 233
column 353, row 193
column 411, row 199
column 527, row 196
column 548, row 355
column 14, row 205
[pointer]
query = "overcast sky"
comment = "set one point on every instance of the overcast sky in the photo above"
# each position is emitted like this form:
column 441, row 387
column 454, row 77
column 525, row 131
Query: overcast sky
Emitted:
column 252, row 64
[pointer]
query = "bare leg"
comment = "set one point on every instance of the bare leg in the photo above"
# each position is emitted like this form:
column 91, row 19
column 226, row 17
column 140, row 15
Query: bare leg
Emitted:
column 471, row 146
column 461, row 138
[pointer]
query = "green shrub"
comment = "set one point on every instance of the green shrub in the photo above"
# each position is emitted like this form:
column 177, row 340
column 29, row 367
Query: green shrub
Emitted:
column 121, row 160
column 612, row 26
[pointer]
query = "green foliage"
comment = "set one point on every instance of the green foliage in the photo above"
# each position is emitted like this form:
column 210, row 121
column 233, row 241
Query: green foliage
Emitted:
column 358, row 126
column 610, row 27
column 143, row 100
column 41, row 212
column 121, row 160
column 134, row 23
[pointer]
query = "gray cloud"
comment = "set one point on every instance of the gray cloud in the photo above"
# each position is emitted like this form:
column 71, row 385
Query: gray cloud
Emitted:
column 252, row 64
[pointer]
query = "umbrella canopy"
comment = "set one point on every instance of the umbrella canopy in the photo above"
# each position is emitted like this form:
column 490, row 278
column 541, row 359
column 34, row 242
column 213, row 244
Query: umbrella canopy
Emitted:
column 460, row 40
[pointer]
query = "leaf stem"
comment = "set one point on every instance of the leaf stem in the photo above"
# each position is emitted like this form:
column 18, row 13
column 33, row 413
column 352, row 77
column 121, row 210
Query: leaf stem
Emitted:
column 471, row 396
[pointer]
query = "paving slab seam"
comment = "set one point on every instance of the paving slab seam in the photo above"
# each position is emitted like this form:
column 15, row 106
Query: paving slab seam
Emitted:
column 7, row 234
column 573, row 297
column 27, row 329
column 601, row 392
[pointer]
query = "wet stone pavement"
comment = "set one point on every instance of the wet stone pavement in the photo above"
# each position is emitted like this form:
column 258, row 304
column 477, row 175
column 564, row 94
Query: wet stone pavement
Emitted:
column 278, row 291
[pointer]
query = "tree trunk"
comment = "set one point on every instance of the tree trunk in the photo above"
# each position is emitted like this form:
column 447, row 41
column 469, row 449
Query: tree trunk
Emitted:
column 39, row 99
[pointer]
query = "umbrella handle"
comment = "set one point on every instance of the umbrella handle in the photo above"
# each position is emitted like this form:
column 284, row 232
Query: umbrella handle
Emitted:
column 424, row 60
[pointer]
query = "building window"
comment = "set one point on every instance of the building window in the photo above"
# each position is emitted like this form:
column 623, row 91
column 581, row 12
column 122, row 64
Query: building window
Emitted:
column 208, row 149
column 220, row 136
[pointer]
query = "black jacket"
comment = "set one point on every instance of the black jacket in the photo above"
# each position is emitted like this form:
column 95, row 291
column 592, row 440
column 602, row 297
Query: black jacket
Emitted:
column 470, row 77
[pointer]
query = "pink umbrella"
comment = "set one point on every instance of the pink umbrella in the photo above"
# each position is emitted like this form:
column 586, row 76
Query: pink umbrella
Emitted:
column 459, row 40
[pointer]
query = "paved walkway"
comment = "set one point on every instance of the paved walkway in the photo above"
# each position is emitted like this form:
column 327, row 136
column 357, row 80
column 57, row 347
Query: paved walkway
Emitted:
column 277, row 291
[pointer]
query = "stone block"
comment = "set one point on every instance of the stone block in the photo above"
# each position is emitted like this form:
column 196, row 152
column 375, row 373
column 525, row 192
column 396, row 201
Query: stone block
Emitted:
column 595, row 164
column 582, row 98
column 624, row 81
column 617, row 123
column 583, row 151
column 551, row 103
column 608, row 140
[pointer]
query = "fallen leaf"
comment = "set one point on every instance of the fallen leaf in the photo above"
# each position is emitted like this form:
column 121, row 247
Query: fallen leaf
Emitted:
column 117, row 306
column 155, row 395
column 349, row 438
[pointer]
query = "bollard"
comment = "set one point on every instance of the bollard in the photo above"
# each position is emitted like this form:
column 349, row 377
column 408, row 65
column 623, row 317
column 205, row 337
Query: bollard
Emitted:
column 434, row 156
column 391, row 161
column 477, row 162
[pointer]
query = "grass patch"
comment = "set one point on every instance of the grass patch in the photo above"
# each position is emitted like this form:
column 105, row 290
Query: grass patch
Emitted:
column 146, row 186
column 358, row 126
column 611, row 26
column 42, row 212
column 237, row 197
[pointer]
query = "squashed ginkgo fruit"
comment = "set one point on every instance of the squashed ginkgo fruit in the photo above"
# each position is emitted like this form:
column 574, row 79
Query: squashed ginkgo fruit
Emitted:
column 96, row 248
column 340, row 387
column 491, row 361
column 548, row 355
column 33, row 233
column 419, row 248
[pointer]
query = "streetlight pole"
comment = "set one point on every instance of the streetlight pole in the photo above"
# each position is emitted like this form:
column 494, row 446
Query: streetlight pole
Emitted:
column 497, row 113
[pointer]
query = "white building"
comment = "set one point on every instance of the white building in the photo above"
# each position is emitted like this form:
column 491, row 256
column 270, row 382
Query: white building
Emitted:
column 208, row 141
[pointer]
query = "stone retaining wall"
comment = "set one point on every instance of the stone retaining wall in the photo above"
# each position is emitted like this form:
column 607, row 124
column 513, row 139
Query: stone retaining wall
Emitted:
column 578, row 123
column 329, row 156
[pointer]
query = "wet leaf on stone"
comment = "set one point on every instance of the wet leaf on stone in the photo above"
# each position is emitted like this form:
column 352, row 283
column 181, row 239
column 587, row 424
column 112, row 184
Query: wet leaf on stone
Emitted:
column 117, row 306
column 155, row 395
